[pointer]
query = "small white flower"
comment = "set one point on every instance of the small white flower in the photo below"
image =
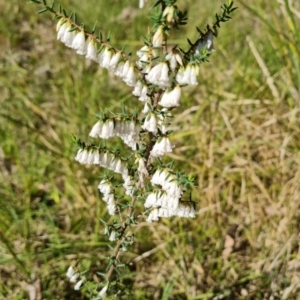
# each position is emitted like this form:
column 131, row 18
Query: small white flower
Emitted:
column 91, row 51
column 126, row 68
column 145, row 57
column 84, row 156
column 154, row 74
column 128, row 185
column 165, row 212
column 172, row 187
column 79, row 43
column 112, row 236
column 142, row 51
column 79, row 284
column 119, row 166
column 70, row 272
column 185, row 209
column 188, row 75
column 96, row 158
column 60, row 22
column 111, row 208
column 180, row 74
column 62, row 27
column 105, row 187
column 142, row 166
column 147, row 69
column 68, row 36
column 129, row 77
column 153, row 216
column 150, row 123
column 169, row 13
column 155, row 199
column 105, row 58
column 143, row 96
column 161, row 147
column 96, row 130
column 146, row 108
column 73, row 279
column 159, row 75
column 103, row 291
column 158, row 37
column 174, row 58
column 107, row 129
column 142, row 3
column 160, row 176
column 114, row 61
column 106, row 159
column 171, row 98
column 137, row 89
column 119, row 69
column 90, row 158
column 164, row 80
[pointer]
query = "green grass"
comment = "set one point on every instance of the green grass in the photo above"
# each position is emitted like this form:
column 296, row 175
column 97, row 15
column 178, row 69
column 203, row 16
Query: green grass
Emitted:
column 239, row 133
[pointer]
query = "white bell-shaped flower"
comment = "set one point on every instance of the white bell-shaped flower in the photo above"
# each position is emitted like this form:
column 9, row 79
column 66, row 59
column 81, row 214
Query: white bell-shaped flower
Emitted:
column 150, row 123
column 153, row 216
column 137, row 89
column 161, row 147
column 79, row 43
column 68, row 36
column 70, row 272
column 174, row 59
column 158, row 37
column 114, row 61
column 171, row 98
column 61, row 27
column 106, row 57
column 159, row 75
column 78, row 285
column 91, row 50
column 144, row 94
column 130, row 77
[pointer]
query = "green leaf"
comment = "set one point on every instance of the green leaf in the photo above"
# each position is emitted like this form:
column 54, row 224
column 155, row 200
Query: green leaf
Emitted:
column 42, row 10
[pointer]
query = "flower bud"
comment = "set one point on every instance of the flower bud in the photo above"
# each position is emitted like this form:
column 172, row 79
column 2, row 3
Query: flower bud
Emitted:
column 169, row 14
column 158, row 37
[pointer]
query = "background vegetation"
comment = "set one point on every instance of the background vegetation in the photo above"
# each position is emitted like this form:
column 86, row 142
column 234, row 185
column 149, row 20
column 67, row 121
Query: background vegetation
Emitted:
column 239, row 131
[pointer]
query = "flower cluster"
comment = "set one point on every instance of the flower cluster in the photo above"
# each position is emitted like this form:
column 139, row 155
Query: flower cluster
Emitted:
column 159, row 75
column 146, row 54
column 104, row 159
column 166, row 202
column 141, row 90
column 150, row 123
column 188, row 74
column 73, row 275
column 170, row 98
column 108, row 57
column 168, row 182
column 128, row 131
column 128, row 185
column 106, row 188
column 185, row 209
column 161, row 147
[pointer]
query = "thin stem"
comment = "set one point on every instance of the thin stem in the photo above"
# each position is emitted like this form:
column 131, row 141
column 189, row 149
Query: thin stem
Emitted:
column 125, row 225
